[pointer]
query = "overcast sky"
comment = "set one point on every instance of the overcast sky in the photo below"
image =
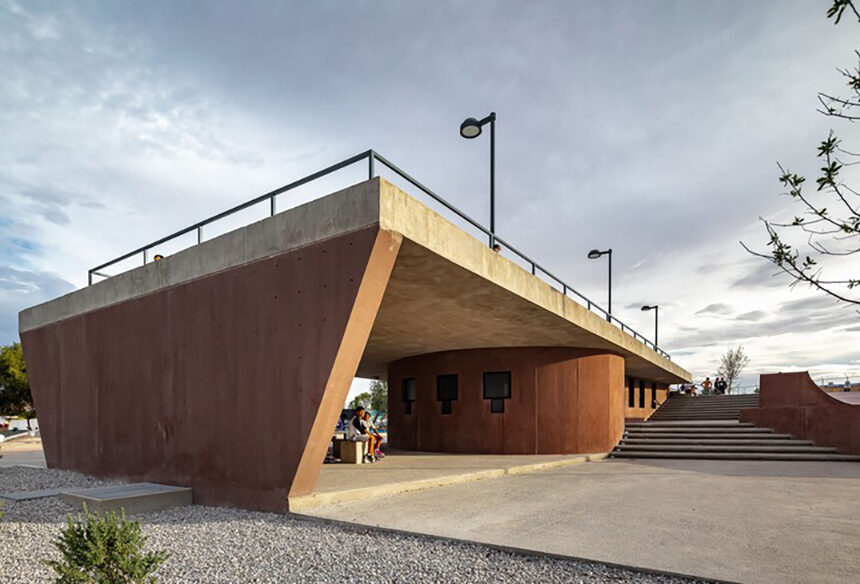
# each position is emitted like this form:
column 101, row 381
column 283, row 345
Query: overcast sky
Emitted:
column 653, row 128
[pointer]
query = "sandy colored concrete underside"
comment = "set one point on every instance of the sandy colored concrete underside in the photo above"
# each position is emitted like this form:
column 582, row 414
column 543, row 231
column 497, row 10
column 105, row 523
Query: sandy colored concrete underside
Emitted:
column 741, row 521
column 433, row 304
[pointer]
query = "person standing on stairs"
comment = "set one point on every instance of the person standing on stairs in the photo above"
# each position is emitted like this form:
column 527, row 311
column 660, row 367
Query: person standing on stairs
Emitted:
column 706, row 386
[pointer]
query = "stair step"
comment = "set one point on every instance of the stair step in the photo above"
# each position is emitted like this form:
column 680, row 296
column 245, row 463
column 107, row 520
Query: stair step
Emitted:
column 707, row 436
column 790, row 449
column 681, row 429
column 691, row 424
column 708, row 441
column 735, row 456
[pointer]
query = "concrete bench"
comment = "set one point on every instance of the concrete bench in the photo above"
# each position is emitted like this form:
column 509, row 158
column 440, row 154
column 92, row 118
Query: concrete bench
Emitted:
column 349, row 451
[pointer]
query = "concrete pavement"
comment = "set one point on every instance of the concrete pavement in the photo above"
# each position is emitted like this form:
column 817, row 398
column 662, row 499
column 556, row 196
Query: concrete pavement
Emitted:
column 29, row 458
column 745, row 521
column 403, row 471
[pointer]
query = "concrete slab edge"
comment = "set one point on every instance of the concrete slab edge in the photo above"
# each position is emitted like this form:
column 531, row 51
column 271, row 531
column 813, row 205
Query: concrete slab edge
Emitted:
column 504, row 548
column 351, row 495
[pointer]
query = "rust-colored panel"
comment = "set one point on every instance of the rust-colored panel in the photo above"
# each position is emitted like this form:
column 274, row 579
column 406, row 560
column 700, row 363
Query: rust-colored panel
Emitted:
column 353, row 341
column 215, row 383
column 794, row 404
column 550, row 409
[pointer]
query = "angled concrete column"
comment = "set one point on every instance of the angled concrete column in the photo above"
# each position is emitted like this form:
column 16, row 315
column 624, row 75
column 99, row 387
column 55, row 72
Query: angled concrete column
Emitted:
column 231, row 382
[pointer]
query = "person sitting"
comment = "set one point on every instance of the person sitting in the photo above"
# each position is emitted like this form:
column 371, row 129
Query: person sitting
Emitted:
column 375, row 437
column 359, row 432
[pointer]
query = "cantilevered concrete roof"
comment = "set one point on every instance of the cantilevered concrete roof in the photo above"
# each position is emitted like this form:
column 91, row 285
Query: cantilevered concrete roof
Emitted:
column 447, row 290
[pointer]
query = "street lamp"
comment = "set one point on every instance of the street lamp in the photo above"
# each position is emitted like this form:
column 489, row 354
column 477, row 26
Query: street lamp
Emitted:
column 471, row 128
column 656, row 310
column 593, row 255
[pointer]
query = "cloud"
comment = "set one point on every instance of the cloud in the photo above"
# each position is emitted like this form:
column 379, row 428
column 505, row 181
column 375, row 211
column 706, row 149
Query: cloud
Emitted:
column 717, row 308
column 761, row 274
column 21, row 288
column 752, row 315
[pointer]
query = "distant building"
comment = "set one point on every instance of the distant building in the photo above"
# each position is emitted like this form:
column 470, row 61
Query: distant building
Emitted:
column 844, row 386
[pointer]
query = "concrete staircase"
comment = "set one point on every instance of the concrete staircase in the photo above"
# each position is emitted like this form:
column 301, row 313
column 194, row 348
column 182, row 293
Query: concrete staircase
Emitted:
column 707, row 407
column 685, row 427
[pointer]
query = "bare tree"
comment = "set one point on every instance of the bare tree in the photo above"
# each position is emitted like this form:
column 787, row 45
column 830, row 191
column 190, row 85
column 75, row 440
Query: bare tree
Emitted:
column 828, row 220
column 732, row 363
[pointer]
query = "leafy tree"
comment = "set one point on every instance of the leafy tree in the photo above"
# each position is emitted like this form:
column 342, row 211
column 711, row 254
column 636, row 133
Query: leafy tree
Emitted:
column 732, row 363
column 15, row 396
column 104, row 549
column 378, row 396
column 829, row 217
column 363, row 399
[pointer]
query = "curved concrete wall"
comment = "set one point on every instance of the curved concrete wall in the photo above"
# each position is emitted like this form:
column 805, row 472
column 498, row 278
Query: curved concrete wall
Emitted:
column 793, row 403
column 562, row 401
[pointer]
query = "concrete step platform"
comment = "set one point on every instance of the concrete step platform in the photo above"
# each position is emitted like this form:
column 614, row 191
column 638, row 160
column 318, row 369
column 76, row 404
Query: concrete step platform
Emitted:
column 714, row 398
column 735, row 456
column 722, row 414
column 685, row 429
column 725, row 442
column 135, row 498
column 30, row 495
column 785, row 449
column 707, row 436
column 691, row 424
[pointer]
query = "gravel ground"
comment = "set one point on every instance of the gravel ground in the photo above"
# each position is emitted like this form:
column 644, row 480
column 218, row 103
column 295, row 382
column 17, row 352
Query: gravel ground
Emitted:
column 210, row 544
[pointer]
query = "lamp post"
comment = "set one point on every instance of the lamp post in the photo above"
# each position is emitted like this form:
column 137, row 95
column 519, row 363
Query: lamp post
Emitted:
column 593, row 255
column 471, row 128
column 656, row 310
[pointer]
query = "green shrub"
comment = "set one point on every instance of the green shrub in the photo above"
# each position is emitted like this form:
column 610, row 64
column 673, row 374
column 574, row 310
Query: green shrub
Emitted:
column 104, row 549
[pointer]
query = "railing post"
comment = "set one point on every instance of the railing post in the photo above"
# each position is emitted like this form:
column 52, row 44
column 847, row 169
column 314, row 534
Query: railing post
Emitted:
column 272, row 206
column 199, row 234
column 533, row 268
column 145, row 254
column 89, row 277
column 370, row 159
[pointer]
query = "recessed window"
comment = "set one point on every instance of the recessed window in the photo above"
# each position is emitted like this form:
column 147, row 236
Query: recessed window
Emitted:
column 409, row 394
column 641, row 393
column 497, row 385
column 497, row 388
column 631, row 393
column 653, row 395
column 446, row 391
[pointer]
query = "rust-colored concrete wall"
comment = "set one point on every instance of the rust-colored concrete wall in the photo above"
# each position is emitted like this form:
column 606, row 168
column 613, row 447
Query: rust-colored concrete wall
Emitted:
column 229, row 384
column 794, row 404
column 636, row 413
column 562, row 401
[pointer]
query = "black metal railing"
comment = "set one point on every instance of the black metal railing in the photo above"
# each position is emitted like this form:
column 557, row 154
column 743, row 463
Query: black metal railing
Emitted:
column 372, row 158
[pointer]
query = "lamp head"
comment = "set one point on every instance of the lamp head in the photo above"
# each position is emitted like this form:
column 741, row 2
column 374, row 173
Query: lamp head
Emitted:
column 647, row 308
column 594, row 254
column 470, row 128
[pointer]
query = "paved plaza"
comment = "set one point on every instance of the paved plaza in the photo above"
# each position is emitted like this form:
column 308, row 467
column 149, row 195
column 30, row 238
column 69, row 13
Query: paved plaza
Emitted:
column 743, row 521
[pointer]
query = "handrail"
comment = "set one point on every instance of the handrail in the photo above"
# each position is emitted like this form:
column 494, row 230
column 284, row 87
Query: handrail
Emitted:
column 371, row 156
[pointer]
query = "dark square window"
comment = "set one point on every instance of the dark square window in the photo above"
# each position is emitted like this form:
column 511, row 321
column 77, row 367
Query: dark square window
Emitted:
column 497, row 406
column 446, row 388
column 446, row 406
column 641, row 393
column 631, row 393
column 409, row 389
column 497, row 385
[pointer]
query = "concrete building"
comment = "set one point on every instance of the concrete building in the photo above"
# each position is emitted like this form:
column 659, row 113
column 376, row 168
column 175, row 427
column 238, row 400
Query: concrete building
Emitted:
column 142, row 375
